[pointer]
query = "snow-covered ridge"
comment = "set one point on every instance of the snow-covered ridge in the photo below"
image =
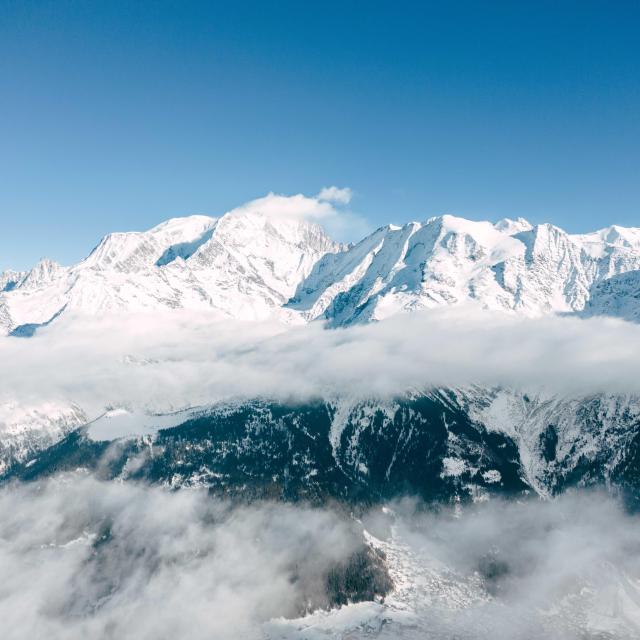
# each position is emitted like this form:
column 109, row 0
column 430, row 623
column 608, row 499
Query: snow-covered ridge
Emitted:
column 136, row 251
column 242, row 266
column 508, row 266
column 255, row 265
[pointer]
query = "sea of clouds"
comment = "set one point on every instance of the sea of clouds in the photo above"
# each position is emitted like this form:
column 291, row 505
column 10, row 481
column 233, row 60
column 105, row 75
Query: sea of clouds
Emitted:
column 80, row 558
column 165, row 362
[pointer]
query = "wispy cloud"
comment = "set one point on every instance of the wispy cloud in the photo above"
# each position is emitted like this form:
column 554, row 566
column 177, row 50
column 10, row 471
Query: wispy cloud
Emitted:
column 329, row 209
column 336, row 194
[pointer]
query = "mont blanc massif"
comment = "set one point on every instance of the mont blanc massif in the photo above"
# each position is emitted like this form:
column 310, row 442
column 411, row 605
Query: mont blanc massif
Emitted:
column 433, row 432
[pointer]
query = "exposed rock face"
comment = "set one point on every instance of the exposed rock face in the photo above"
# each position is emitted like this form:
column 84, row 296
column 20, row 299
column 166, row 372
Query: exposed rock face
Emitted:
column 618, row 296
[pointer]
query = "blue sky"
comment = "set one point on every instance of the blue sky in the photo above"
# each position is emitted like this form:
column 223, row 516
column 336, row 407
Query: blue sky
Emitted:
column 116, row 115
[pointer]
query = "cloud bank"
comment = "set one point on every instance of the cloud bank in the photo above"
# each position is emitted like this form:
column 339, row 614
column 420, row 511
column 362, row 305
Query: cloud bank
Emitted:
column 172, row 361
column 81, row 559
column 535, row 570
column 175, row 360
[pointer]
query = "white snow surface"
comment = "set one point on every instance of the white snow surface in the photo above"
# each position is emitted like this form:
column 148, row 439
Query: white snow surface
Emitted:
column 124, row 423
column 26, row 429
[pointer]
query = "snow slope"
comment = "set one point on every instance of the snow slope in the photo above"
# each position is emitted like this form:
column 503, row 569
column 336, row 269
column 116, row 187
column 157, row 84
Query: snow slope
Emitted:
column 25, row 430
column 243, row 266
column 510, row 266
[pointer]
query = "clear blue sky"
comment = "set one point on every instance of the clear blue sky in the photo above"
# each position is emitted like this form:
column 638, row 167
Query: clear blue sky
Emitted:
column 116, row 115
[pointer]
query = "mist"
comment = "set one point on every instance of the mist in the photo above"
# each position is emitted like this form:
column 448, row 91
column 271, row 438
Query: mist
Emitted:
column 82, row 558
column 566, row 568
column 175, row 360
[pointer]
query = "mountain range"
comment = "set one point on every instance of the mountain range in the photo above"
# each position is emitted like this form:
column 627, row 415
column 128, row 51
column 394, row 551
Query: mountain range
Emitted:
column 251, row 265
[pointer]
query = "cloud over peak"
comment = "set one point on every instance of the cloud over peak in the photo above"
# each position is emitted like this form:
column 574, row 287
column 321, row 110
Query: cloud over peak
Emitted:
column 328, row 208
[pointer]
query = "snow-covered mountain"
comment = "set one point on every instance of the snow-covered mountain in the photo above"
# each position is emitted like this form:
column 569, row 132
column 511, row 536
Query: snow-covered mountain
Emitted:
column 244, row 266
column 441, row 444
column 252, row 265
column 25, row 430
column 509, row 266
column 448, row 444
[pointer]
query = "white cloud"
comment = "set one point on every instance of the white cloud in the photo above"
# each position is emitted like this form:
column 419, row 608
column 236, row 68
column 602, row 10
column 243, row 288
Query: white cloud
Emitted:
column 86, row 559
column 296, row 206
column 172, row 360
column 340, row 223
column 336, row 194
column 83, row 559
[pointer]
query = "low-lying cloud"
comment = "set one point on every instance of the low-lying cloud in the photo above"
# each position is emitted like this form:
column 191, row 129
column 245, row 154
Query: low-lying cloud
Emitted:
column 536, row 570
column 81, row 558
column 171, row 361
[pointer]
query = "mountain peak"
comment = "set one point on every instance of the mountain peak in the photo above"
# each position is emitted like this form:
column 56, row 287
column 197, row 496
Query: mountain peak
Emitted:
column 132, row 251
column 42, row 273
column 614, row 235
column 183, row 224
